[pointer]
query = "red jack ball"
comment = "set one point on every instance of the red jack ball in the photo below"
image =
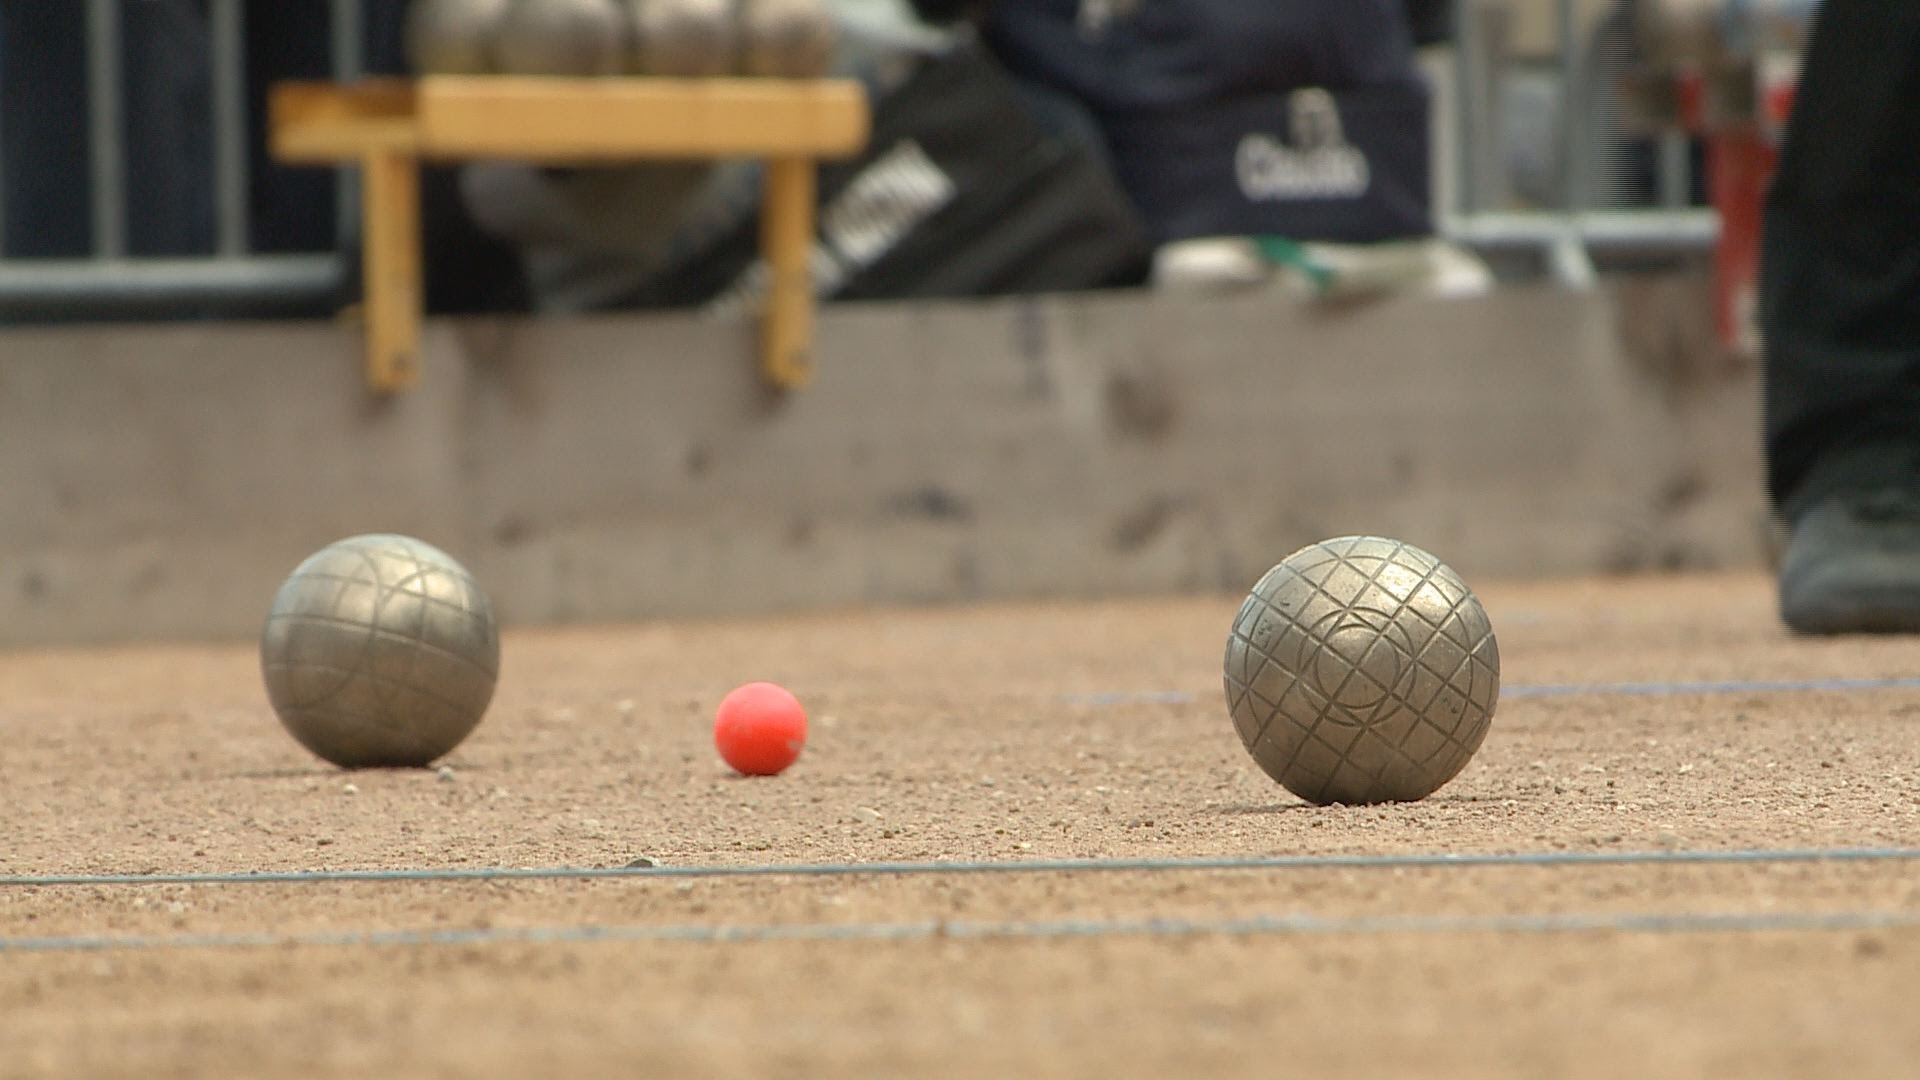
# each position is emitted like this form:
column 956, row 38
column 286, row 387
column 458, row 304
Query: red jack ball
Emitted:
column 759, row 729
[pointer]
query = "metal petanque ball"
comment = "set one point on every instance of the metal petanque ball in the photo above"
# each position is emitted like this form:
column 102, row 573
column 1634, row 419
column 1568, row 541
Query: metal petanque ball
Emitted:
column 1362, row 670
column 380, row 650
column 452, row 37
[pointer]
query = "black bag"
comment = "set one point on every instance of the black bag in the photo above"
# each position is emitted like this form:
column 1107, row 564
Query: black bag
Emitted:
column 1431, row 21
column 960, row 193
column 1347, row 166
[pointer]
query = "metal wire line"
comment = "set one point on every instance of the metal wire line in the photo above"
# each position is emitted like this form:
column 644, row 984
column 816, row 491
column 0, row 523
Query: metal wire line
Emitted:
column 1251, row 926
column 1024, row 866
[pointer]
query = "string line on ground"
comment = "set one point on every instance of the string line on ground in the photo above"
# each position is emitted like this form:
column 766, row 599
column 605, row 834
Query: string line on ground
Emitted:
column 1017, row 866
column 1250, row 926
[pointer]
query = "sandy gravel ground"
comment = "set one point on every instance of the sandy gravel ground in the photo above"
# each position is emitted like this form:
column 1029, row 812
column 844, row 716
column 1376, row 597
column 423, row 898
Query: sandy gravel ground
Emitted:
column 999, row 734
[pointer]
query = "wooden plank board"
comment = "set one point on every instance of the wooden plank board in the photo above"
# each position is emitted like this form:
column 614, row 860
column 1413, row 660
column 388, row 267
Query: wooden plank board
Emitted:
column 325, row 122
column 568, row 119
column 395, row 289
column 786, row 241
column 553, row 119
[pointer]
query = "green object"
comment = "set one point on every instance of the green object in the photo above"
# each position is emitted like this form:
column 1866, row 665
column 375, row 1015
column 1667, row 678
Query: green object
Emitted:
column 1280, row 251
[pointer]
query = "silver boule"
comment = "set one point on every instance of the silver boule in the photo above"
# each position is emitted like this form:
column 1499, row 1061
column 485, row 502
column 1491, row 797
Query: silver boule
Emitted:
column 380, row 650
column 788, row 39
column 572, row 38
column 1362, row 670
column 453, row 37
column 684, row 39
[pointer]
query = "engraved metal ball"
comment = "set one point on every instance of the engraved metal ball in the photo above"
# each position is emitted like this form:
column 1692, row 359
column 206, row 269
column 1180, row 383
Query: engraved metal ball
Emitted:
column 380, row 650
column 577, row 38
column 1362, row 670
column 452, row 37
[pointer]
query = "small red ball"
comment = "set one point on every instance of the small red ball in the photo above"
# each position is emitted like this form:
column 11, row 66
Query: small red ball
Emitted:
column 759, row 729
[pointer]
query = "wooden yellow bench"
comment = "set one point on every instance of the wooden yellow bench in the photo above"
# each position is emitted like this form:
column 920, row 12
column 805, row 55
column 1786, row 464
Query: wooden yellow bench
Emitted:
column 387, row 127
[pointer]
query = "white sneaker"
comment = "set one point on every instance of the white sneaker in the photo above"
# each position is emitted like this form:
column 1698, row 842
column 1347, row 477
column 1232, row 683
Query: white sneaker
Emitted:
column 1210, row 264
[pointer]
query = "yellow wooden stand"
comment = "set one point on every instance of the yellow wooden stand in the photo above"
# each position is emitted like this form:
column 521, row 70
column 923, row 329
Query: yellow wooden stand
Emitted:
column 387, row 127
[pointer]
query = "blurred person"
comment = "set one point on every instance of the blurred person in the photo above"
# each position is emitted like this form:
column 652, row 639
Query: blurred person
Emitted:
column 1259, row 140
column 1430, row 21
column 1840, row 308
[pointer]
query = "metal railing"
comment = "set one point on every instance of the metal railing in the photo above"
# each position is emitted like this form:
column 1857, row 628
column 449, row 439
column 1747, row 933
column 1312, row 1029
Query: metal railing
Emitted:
column 1472, row 191
column 107, row 279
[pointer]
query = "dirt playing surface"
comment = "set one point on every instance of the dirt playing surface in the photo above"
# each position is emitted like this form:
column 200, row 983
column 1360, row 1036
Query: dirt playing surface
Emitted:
column 1001, row 734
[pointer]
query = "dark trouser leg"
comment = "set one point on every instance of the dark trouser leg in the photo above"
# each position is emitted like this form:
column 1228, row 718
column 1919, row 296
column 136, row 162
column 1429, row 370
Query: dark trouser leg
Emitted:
column 1841, row 264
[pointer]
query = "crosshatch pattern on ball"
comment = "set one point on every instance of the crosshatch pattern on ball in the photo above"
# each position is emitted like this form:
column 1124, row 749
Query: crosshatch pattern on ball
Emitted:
column 1362, row 670
column 380, row 650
